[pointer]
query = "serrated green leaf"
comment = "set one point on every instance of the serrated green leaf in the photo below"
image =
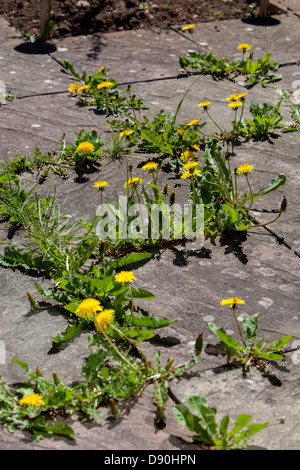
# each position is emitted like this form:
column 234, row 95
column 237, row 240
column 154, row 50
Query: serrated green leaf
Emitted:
column 141, row 294
column 71, row 69
column 104, row 372
column 157, row 140
column 70, row 331
column 207, row 415
column 184, row 417
column 240, row 423
column 224, row 426
column 22, row 364
column 152, row 321
column 254, row 428
column 249, row 325
column 132, row 258
column 276, row 183
column 139, row 335
column 227, row 339
column 283, row 341
column 62, row 429
column 93, row 364
column 269, row 356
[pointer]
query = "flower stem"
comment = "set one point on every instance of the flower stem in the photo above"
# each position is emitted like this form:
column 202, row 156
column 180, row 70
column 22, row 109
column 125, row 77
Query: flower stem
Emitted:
column 242, row 111
column 195, row 42
column 236, row 188
column 268, row 223
column 132, row 343
column 131, row 303
column 113, row 346
column 238, row 325
column 194, row 193
column 132, row 107
column 224, row 184
column 234, row 124
column 222, row 132
column 251, row 193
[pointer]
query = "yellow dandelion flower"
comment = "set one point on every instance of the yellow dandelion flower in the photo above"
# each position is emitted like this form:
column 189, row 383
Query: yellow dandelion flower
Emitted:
column 32, row 399
column 235, row 104
column 133, row 181
column 204, row 104
column 190, row 173
column 232, row 97
column 88, row 308
column 195, row 146
column 187, row 155
column 73, row 87
column 125, row 276
column 104, row 319
column 189, row 165
column 187, row 27
column 241, row 96
column 105, row 84
column 180, row 132
column 193, row 122
column 244, row 47
column 101, row 69
column 151, row 166
column 126, row 132
column 232, row 302
column 100, row 184
column 85, row 148
column 237, row 96
column 244, row 169
column 83, row 88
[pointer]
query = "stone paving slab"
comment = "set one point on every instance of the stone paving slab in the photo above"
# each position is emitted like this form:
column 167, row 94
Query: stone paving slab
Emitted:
column 135, row 431
column 278, row 154
column 279, row 35
column 252, row 266
column 270, row 398
column 48, row 118
column 263, row 273
column 140, row 61
column 290, row 81
column 43, row 132
column 24, row 67
column 20, row 332
column 292, row 6
column 268, row 163
column 130, row 55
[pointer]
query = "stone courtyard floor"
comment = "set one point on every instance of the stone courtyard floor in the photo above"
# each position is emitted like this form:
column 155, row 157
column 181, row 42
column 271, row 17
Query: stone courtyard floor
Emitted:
column 260, row 266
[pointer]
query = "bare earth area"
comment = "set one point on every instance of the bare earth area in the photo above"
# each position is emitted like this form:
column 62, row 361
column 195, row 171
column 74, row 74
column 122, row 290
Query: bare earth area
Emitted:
column 83, row 17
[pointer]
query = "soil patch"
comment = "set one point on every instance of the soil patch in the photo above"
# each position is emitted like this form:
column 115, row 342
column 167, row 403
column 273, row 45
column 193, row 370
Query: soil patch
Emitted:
column 73, row 18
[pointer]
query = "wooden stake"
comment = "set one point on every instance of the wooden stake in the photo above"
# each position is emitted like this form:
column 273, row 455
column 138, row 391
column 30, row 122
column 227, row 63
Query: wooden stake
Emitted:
column 263, row 8
column 45, row 8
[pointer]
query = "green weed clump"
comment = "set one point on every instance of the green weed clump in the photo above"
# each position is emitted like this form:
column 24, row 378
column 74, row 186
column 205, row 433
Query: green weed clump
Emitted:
column 261, row 70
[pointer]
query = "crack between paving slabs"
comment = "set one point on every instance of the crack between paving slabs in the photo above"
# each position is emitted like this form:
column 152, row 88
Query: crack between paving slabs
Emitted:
column 280, row 240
